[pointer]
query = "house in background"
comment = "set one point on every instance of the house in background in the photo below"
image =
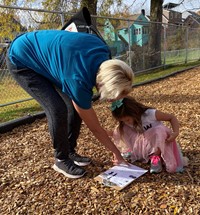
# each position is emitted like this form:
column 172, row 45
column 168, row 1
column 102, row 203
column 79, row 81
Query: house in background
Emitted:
column 170, row 15
column 116, row 45
column 187, row 18
column 192, row 20
column 139, row 30
column 133, row 32
column 109, row 31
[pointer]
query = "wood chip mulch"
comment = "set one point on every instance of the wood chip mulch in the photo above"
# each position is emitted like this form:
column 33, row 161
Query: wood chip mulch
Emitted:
column 29, row 185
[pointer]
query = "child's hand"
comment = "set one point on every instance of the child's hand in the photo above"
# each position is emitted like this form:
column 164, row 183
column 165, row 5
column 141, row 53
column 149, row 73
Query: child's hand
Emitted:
column 172, row 137
column 119, row 160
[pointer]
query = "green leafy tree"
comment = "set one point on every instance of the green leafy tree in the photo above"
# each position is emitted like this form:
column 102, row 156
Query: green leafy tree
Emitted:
column 9, row 25
column 95, row 7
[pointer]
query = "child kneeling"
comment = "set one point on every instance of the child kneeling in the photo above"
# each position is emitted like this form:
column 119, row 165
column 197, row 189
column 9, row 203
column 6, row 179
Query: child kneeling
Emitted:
column 142, row 136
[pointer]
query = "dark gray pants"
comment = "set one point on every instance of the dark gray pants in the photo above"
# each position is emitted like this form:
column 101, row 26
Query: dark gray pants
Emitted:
column 63, row 120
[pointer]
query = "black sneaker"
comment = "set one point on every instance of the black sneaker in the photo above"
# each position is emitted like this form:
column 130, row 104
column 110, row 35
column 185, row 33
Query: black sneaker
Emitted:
column 68, row 168
column 79, row 160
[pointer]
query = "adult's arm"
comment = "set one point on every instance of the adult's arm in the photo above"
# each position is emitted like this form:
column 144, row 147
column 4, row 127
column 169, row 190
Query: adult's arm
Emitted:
column 90, row 118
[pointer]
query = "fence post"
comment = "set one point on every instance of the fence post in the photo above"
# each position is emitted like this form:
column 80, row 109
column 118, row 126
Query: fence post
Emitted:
column 164, row 46
column 143, row 59
column 62, row 18
column 186, row 46
column 129, row 43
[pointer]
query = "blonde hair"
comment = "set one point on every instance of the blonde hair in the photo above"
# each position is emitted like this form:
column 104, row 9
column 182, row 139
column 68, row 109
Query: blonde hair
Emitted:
column 114, row 78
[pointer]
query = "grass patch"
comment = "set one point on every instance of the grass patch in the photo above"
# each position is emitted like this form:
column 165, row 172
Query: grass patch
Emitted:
column 12, row 92
column 19, row 110
column 157, row 73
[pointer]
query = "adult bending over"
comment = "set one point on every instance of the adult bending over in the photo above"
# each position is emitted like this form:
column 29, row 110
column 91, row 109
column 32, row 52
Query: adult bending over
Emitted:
column 59, row 69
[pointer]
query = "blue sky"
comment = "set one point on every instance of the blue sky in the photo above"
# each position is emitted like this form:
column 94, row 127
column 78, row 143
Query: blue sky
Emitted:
column 137, row 5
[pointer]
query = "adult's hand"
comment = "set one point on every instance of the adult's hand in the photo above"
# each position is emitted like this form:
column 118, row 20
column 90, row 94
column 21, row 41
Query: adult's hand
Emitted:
column 117, row 160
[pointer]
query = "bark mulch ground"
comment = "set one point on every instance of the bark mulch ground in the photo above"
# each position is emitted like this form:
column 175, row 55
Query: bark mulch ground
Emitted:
column 29, row 185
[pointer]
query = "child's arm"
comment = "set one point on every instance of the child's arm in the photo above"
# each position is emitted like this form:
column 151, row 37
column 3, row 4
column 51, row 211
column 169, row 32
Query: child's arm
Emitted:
column 160, row 116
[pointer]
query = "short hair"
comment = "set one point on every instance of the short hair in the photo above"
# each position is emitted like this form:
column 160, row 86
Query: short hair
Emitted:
column 114, row 78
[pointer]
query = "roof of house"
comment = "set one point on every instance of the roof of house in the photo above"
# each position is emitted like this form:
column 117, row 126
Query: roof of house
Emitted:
column 133, row 19
column 170, row 5
column 124, row 23
column 194, row 16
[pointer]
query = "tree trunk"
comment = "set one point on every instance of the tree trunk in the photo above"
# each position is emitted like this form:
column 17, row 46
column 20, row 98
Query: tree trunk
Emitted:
column 155, row 33
column 91, row 5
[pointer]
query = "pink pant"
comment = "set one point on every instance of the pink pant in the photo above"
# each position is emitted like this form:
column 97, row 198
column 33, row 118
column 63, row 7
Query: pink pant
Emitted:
column 141, row 146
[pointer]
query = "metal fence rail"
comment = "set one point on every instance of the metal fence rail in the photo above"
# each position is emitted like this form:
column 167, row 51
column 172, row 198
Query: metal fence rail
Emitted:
column 127, row 42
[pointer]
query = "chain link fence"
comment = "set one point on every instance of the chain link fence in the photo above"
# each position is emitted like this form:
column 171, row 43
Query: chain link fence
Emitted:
column 129, row 40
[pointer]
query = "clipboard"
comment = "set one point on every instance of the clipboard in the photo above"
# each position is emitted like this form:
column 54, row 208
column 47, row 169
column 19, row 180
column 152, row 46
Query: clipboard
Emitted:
column 120, row 176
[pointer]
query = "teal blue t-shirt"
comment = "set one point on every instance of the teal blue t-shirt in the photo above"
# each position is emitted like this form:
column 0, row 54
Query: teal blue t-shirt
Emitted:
column 69, row 59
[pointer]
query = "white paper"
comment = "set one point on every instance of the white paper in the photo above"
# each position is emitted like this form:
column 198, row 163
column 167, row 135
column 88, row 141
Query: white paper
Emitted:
column 120, row 176
column 72, row 27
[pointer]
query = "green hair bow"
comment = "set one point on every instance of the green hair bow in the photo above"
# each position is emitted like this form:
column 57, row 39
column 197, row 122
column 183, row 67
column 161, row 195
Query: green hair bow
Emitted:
column 116, row 104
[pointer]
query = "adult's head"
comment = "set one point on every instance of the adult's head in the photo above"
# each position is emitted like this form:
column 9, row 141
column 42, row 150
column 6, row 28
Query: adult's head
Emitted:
column 114, row 79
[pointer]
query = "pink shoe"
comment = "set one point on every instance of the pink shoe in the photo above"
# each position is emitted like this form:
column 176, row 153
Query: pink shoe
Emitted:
column 156, row 164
